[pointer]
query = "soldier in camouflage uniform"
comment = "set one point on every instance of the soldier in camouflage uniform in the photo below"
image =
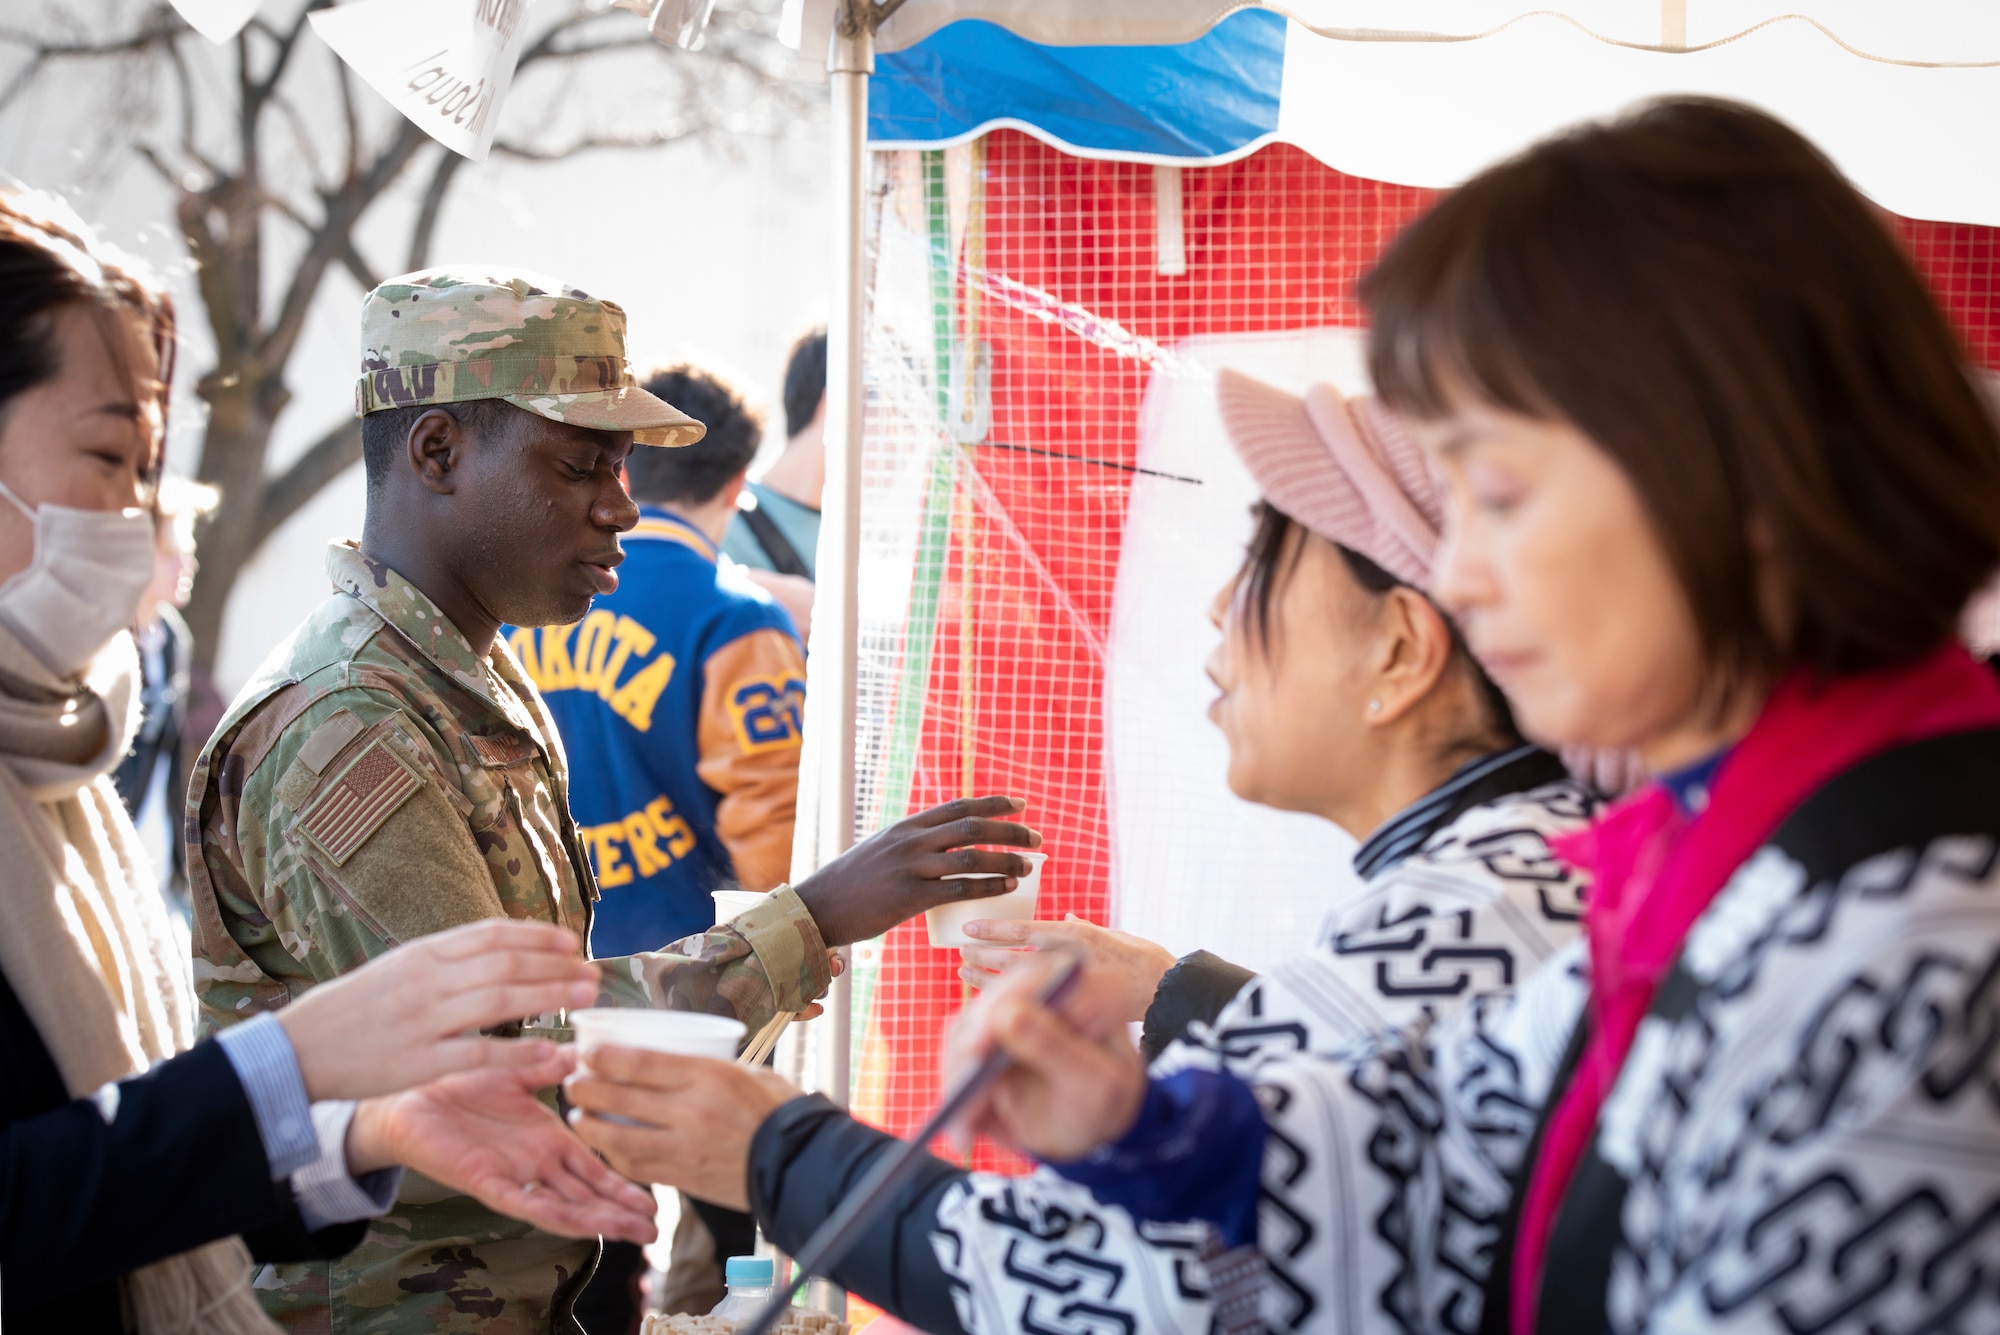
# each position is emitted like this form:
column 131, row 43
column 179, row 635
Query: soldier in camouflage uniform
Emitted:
column 390, row 771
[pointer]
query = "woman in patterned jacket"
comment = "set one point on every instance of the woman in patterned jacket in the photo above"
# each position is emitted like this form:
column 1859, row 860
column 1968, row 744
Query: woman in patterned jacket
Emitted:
column 1345, row 693
column 1719, row 489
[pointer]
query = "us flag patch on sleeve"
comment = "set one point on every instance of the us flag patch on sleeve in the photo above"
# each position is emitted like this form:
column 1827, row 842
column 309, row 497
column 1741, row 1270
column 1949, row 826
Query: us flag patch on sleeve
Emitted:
column 359, row 799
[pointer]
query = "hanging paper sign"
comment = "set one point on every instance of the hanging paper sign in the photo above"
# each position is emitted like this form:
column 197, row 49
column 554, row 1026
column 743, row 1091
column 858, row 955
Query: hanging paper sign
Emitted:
column 445, row 64
column 217, row 20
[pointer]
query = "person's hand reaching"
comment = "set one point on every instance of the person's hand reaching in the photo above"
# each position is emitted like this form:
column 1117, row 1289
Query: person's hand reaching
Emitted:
column 699, row 1116
column 1074, row 1080
column 1130, row 964
column 408, row 1016
column 897, row 873
column 488, row 1135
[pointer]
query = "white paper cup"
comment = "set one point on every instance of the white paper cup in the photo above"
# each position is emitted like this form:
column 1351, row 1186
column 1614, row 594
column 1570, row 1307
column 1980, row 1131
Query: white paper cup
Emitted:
column 947, row 921
column 683, row 1033
column 730, row 903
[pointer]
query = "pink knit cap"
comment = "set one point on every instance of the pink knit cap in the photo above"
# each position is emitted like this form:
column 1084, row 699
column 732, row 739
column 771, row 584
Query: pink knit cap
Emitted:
column 1345, row 468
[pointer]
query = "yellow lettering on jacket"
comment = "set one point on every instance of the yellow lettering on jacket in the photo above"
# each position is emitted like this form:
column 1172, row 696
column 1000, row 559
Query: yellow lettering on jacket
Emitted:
column 768, row 713
column 654, row 836
column 593, row 646
column 636, row 698
column 557, row 674
column 604, row 646
column 523, row 643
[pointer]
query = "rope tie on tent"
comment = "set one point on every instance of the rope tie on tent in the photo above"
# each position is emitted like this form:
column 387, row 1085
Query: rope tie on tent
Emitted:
column 1674, row 24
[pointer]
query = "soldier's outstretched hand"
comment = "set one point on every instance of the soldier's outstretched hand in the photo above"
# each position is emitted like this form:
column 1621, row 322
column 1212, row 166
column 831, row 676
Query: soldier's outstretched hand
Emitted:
column 486, row 1134
column 409, row 1016
column 897, row 873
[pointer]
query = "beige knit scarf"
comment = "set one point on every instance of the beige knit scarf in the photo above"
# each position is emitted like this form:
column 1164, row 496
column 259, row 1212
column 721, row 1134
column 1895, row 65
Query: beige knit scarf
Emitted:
column 87, row 947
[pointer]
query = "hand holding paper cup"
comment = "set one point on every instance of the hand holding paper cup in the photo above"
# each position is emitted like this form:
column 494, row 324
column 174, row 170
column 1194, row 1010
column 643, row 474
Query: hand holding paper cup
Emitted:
column 679, row 1033
column 947, row 921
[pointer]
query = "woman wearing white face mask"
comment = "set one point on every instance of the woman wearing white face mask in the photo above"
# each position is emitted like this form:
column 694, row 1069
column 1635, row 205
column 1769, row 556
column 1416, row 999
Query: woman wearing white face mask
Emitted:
column 126, row 1170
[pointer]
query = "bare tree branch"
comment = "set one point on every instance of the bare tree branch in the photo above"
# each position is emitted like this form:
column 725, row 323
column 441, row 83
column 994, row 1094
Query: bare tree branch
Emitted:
column 425, row 228
column 160, row 23
column 152, row 159
column 583, row 144
column 184, row 80
column 308, row 150
column 286, row 44
column 324, row 460
column 349, row 116
column 246, row 107
column 350, row 258
column 358, row 268
column 22, row 78
column 545, row 44
column 583, row 49
column 152, row 31
column 330, row 241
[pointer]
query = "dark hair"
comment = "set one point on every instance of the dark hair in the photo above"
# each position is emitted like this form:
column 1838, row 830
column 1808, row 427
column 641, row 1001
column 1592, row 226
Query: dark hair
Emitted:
column 805, row 380
column 693, row 474
column 50, row 259
column 1696, row 289
column 385, row 433
column 1273, row 554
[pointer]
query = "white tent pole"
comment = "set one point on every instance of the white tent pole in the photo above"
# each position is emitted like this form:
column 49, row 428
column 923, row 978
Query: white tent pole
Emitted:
column 836, row 616
column 834, row 681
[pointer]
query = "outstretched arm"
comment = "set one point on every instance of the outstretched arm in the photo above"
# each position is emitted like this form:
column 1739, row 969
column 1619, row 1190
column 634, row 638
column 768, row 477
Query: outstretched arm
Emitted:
column 774, row 957
column 487, row 1134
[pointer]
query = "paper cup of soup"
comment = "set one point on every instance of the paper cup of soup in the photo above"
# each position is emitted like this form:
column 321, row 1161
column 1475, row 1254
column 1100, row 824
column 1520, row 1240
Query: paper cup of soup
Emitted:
column 682, row 1033
column 732, row 903
column 947, row 921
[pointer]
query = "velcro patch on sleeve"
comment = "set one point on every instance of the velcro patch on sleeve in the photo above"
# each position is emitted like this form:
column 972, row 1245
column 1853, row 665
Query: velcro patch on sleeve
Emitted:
column 357, row 801
column 501, row 750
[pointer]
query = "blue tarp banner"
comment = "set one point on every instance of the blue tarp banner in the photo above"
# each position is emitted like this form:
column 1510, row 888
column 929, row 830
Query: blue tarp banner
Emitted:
column 1214, row 97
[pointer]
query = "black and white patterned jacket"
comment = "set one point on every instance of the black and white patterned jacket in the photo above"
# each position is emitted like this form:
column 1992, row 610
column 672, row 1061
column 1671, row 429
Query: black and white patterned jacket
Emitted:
column 1805, row 1135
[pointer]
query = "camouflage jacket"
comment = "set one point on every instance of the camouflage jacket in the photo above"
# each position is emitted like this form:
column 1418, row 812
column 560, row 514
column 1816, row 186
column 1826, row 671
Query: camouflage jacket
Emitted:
column 378, row 780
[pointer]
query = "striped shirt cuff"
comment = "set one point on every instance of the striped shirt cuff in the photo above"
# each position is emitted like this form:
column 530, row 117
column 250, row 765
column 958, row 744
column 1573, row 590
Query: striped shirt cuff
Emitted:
column 269, row 1071
column 326, row 1194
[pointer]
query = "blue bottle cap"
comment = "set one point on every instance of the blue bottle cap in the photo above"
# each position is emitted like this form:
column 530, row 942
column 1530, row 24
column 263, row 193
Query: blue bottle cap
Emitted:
column 749, row 1272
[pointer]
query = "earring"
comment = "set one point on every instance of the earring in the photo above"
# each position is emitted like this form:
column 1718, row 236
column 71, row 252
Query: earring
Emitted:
column 1374, row 706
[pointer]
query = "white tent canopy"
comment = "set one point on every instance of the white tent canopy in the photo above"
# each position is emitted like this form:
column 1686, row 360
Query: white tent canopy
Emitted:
column 1929, row 31
column 1427, row 92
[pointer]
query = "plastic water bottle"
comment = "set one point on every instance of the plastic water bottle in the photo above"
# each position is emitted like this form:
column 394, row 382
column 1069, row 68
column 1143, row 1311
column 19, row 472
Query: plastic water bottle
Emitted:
column 750, row 1279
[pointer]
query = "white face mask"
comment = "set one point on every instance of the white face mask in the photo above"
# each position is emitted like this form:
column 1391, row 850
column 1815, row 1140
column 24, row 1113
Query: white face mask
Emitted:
column 90, row 569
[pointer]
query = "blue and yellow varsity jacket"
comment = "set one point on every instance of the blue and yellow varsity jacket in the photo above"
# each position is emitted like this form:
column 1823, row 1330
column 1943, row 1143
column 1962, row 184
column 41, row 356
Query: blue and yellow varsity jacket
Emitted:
column 680, row 700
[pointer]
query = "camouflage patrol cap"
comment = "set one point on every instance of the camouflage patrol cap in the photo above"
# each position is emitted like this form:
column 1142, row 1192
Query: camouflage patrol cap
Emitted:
column 453, row 335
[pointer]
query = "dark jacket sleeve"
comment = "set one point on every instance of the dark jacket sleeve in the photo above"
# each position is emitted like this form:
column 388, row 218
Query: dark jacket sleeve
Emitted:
column 804, row 1160
column 289, row 1240
column 179, row 1163
column 1196, row 988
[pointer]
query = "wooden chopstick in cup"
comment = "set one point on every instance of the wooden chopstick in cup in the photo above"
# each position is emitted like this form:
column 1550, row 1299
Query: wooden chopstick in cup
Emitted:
column 767, row 1038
